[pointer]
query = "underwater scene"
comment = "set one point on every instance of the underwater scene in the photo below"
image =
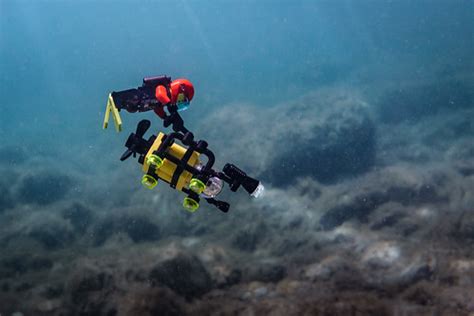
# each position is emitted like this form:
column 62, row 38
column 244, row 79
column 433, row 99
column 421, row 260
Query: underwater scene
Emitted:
column 260, row 157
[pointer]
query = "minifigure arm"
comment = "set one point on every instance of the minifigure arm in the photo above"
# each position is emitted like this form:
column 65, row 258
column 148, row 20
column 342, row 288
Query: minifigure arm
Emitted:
column 162, row 96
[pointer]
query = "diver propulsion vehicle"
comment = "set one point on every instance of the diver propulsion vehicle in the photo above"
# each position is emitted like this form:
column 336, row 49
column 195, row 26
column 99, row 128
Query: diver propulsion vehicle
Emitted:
column 179, row 165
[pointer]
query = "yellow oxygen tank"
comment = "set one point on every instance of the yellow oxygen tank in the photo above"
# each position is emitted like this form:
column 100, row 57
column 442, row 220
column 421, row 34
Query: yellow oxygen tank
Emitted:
column 166, row 170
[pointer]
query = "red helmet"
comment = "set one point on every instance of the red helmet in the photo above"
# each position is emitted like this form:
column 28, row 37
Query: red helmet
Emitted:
column 181, row 90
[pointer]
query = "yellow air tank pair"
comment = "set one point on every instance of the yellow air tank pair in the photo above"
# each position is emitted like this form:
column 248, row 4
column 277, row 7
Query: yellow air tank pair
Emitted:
column 155, row 167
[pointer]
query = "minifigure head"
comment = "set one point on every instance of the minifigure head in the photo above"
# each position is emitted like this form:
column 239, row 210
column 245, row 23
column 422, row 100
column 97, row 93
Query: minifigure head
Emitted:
column 182, row 92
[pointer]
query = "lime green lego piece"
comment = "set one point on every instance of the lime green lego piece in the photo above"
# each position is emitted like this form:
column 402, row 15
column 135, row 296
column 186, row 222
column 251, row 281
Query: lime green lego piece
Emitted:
column 154, row 160
column 197, row 186
column 190, row 204
column 149, row 182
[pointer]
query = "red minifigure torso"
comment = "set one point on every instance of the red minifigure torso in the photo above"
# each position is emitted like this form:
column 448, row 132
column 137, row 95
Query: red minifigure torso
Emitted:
column 179, row 89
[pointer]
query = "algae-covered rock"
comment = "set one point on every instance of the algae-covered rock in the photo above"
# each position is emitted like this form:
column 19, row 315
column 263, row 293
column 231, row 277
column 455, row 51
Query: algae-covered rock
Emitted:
column 44, row 187
column 79, row 216
column 137, row 227
column 184, row 274
column 328, row 135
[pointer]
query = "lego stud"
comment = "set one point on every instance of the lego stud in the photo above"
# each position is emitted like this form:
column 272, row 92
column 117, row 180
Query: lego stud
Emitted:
column 154, row 160
column 197, row 186
column 191, row 205
column 149, row 182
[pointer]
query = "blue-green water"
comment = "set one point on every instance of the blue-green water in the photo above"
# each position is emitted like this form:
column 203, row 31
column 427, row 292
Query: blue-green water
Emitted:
column 356, row 115
column 67, row 55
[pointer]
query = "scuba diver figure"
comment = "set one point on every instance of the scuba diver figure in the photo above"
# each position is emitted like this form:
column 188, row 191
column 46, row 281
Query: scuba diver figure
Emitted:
column 158, row 94
column 174, row 158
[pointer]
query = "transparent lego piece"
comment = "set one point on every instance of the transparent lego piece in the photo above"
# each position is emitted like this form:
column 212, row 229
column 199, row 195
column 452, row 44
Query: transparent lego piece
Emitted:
column 213, row 187
column 259, row 191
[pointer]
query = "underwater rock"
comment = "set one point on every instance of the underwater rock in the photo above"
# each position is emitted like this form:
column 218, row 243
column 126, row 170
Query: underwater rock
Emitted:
column 44, row 188
column 48, row 306
column 466, row 168
column 103, row 230
column 425, row 193
column 151, row 302
column 390, row 275
column 138, row 228
column 267, row 272
column 90, row 282
column 459, row 299
column 463, row 229
column 245, row 241
column 387, row 219
column 350, row 303
column 219, row 263
column 420, row 294
column 141, row 229
column 52, row 237
column 248, row 237
column 346, row 155
column 338, row 144
column 79, row 216
column 325, row 269
column 23, row 263
column 350, row 278
column 327, row 135
column 459, row 272
column 40, row 263
column 287, row 246
column 184, row 274
column 23, row 286
column 90, row 290
column 51, row 291
column 381, row 255
column 230, row 279
column 360, row 207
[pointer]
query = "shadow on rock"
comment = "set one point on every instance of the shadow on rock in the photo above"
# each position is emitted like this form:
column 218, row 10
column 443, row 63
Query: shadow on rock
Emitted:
column 266, row 272
column 361, row 206
column 44, row 188
column 79, row 216
column 245, row 240
column 52, row 237
column 22, row 264
column 183, row 274
column 138, row 228
column 91, row 292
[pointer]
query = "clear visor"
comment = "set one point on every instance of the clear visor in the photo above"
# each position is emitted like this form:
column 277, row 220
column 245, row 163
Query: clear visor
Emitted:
column 182, row 105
